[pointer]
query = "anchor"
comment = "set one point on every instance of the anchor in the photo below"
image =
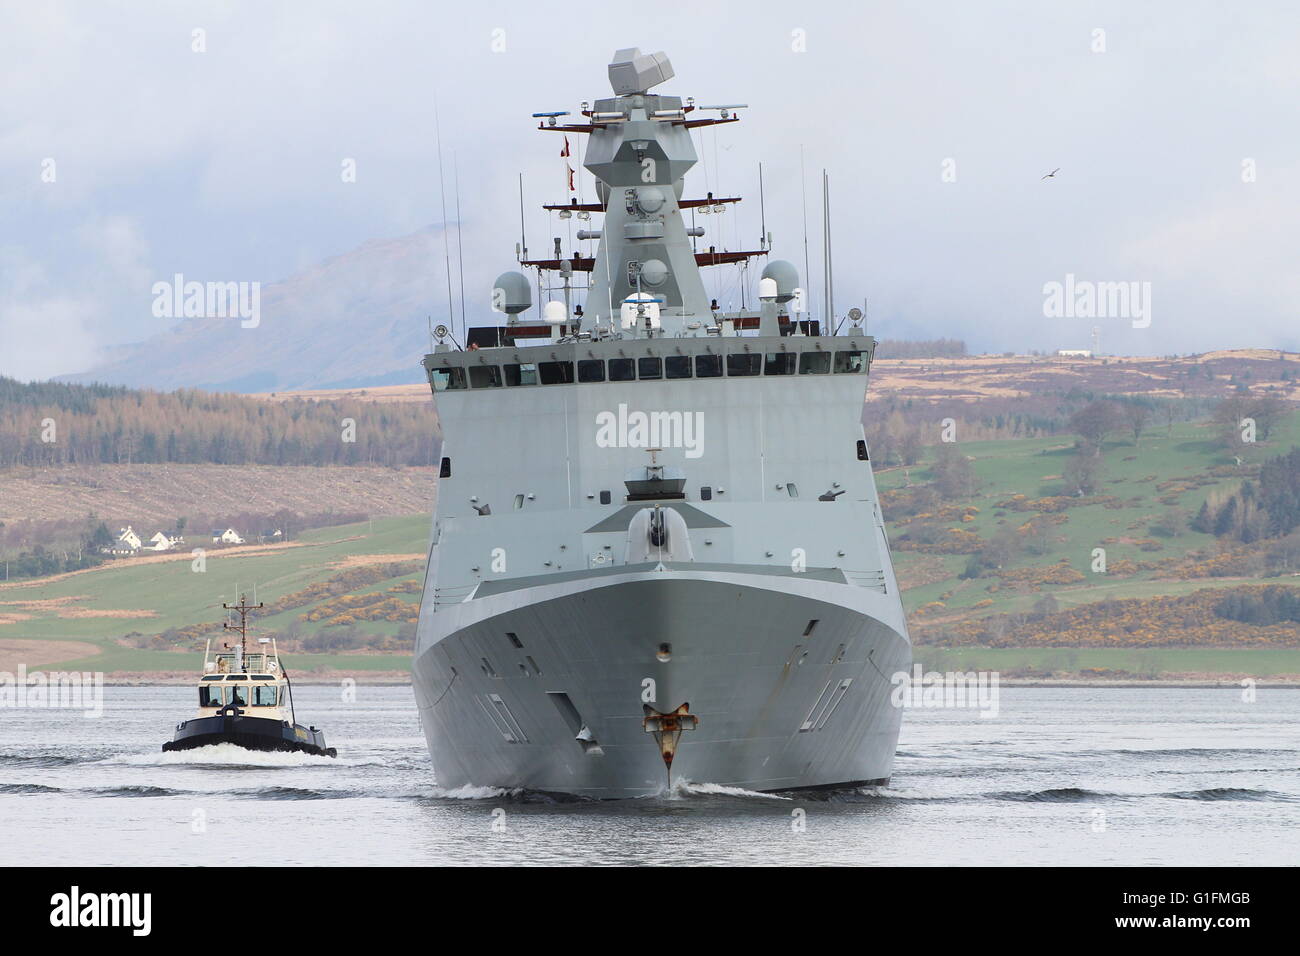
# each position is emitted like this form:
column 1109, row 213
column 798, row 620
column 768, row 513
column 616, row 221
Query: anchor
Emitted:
column 667, row 730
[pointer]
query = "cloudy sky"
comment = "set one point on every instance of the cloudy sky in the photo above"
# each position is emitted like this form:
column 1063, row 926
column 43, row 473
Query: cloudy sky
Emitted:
column 1174, row 126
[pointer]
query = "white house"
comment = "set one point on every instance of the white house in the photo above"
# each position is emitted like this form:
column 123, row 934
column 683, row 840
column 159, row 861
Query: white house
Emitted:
column 1074, row 353
column 229, row 536
column 127, row 540
column 164, row 540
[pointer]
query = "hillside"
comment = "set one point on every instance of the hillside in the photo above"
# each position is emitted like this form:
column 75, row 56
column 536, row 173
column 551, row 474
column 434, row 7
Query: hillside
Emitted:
column 1168, row 604
column 356, row 318
column 153, row 494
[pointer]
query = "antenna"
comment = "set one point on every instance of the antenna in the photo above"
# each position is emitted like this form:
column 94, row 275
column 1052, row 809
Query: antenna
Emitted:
column 523, row 237
column 243, row 607
column 803, row 192
column 460, row 248
column 442, row 199
column 826, row 253
column 762, row 210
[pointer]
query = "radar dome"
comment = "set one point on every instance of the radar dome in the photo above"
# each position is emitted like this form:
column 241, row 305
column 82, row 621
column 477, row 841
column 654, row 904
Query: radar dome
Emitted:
column 511, row 293
column 786, row 277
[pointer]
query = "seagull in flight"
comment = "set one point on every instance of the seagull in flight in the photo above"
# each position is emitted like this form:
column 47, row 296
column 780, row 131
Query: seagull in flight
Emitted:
column 1052, row 174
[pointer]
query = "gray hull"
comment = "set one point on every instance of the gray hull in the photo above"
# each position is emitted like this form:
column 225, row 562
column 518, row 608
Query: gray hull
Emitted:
column 782, row 703
column 645, row 506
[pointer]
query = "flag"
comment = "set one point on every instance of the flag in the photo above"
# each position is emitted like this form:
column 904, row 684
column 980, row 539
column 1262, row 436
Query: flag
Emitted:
column 565, row 151
column 570, row 169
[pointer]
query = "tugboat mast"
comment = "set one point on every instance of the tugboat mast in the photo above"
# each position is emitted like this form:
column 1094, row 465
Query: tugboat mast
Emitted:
column 243, row 607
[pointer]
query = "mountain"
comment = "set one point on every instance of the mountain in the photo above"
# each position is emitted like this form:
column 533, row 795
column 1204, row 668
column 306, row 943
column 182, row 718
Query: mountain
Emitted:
column 354, row 319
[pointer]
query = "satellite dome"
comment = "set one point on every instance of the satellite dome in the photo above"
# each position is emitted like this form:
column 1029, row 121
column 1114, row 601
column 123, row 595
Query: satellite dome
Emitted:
column 786, row 277
column 511, row 293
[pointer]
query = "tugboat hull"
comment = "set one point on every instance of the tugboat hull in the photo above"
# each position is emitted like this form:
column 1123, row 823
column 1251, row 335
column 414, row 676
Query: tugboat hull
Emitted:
column 251, row 733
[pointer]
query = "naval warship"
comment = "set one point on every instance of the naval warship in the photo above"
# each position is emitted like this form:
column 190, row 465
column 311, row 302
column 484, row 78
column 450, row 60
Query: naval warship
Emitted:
column 658, row 553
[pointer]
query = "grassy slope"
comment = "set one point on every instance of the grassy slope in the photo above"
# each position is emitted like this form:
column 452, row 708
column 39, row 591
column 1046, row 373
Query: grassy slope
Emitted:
column 180, row 596
column 1025, row 467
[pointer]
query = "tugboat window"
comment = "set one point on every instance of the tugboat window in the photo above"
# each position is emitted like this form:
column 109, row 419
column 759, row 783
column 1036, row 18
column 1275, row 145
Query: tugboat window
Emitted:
column 555, row 373
column 622, row 370
column 521, row 374
column 210, row 696
column 706, row 493
column 677, row 366
column 264, row 695
column 447, row 379
column 743, row 363
column 485, row 376
column 779, row 363
column 444, row 470
column 814, row 363
column 604, row 497
column 648, row 368
column 591, row 370
column 708, row 366
column 850, row 362
column 862, row 451
column 239, row 695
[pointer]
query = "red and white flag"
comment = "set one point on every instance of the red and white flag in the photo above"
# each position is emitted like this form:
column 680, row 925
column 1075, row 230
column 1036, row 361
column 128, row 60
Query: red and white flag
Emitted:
column 565, row 152
column 572, row 187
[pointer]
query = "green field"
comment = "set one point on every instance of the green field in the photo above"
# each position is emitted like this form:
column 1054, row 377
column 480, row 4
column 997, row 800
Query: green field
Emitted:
column 1154, row 662
column 180, row 596
column 1032, row 467
column 177, row 596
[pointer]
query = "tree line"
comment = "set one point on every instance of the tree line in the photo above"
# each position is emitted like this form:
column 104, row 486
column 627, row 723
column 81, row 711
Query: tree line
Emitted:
column 52, row 423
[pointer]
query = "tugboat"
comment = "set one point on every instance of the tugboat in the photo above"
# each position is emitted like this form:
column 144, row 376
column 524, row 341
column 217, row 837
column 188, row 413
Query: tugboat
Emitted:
column 246, row 699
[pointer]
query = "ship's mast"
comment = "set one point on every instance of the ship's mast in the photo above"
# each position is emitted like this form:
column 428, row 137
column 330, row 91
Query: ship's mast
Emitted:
column 243, row 607
column 639, row 150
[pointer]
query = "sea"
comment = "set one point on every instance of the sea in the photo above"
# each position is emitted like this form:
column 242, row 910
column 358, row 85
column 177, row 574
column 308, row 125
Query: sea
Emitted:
column 1061, row 775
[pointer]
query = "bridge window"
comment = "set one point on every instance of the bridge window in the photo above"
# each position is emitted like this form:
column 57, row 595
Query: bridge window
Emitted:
column 444, row 470
column 555, row 373
column 862, row 451
column 850, row 362
column 706, row 493
column 210, row 696
column 708, row 366
column 604, row 497
column 677, row 366
column 743, row 363
column 447, row 379
column 521, row 373
column 484, row 376
column 239, row 695
column 649, row 368
column 780, row 363
column 622, row 370
column 814, row 363
column 264, row 695
column 591, row 370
